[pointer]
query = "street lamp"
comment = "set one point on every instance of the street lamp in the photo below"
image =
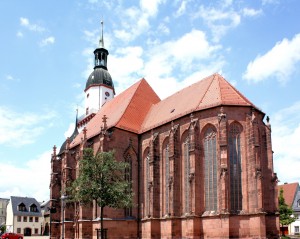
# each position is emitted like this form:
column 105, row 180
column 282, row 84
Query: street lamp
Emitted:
column 63, row 198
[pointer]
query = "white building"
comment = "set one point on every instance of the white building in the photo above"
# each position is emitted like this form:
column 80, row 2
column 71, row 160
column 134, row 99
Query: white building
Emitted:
column 3, row 206
column 295, row 226
column 24, row 216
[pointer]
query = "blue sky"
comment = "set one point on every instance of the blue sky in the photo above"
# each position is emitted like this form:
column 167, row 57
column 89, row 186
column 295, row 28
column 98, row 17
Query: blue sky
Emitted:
column 47, row 54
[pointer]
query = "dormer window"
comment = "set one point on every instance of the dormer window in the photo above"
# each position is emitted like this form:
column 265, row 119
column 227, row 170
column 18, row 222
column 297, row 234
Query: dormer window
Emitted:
column 298, row 203
column 33, row 208
column 22, row 207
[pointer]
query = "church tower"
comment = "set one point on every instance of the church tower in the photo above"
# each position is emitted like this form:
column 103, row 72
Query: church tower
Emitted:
column 99, row 86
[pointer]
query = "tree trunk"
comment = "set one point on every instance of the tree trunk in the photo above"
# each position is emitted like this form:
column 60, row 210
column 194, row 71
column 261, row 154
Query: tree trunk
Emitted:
column 101, row 223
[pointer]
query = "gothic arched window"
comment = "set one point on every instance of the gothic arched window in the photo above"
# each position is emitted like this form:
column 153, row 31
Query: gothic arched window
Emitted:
column 167, row 176
column 128, row 177
column 147, row 184
column 186, row 155
column 211, row 168
column 235, row 167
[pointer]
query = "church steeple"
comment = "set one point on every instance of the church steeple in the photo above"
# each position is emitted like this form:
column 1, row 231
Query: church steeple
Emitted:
column 101, row 53
column 99, row 87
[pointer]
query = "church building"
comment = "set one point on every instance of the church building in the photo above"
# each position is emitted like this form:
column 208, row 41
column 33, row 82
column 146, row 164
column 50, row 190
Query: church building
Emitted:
column 201, row 162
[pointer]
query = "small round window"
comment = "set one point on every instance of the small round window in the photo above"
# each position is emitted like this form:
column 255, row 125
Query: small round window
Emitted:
column 107, row 93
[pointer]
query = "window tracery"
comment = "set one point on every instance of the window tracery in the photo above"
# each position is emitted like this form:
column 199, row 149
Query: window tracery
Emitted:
column 211, row 167
column 235, row 167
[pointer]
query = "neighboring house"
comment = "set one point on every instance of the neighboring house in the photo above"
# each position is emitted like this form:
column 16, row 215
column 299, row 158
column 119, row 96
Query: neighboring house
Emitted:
column 201, row 161
column 291, row 194
column 24, row 216
column 3, row 206
column 45, row 209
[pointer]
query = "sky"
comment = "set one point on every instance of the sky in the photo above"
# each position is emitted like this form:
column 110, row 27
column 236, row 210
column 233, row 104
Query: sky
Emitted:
column 47, row 54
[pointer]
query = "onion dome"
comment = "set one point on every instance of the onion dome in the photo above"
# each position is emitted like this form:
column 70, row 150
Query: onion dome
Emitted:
column 99, row 76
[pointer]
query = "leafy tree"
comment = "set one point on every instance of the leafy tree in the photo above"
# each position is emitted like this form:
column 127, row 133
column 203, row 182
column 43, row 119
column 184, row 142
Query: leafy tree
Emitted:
column 285, row 211
column 104, row 180
column 2, row 228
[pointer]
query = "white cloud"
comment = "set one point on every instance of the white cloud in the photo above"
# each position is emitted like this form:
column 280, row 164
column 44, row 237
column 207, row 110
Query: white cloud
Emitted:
column 32, row 27
column 19, row 34
column 23, row 183
column 286, row 143
column 135, row 21
column 150, row 7
column 47, row 41
column 9, row 77
column 250, row 12
column 219, row 20
column 162, row 28
column 280, row 62
column 126, row 66
column 181, row 10
column 19, row 129
column 70, row 130
column 166, row 58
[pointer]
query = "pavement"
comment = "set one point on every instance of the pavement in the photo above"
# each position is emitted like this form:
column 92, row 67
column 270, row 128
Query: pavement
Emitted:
column 36, row 237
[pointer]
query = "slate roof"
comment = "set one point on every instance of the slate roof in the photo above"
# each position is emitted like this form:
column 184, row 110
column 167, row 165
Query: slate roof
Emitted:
column 74, row 134
column 296, row 205
column 138, row 109
column 99, row 76
column 16, row 201
column 289, row 192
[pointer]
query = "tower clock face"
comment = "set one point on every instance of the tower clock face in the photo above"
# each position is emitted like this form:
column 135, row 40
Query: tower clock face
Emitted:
column 107, row 93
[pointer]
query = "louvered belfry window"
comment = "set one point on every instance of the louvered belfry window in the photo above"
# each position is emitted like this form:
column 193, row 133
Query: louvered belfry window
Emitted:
column 235, row 167
column 211, row 168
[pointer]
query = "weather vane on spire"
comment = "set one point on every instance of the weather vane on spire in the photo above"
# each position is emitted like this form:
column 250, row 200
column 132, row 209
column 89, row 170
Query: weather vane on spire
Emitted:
column 101, row 41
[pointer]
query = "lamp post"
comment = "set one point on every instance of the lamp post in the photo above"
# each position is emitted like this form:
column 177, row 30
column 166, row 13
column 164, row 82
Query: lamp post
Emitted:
column 63, row 198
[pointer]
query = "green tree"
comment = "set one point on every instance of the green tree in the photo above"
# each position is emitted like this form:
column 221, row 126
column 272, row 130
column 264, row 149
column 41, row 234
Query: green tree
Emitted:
column 2, row 228
column 104, row 180
column 285, row 212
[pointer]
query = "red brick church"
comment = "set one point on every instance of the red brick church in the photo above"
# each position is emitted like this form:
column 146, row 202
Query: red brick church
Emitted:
column 201, row 162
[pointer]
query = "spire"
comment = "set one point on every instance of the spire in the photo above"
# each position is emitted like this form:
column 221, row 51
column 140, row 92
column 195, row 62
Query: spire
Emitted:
column 101, row 41
column 101, row 53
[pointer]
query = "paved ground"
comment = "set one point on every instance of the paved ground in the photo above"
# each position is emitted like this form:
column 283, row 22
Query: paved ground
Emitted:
column 37, row 237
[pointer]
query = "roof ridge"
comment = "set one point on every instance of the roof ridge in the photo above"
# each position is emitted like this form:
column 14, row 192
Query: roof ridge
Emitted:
column 207, row 78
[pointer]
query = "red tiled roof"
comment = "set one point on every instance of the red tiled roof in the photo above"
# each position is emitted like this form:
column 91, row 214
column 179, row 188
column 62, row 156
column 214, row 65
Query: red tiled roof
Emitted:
column 289, row 192
column 139, row 109
column 126, row 111
column 209, row 92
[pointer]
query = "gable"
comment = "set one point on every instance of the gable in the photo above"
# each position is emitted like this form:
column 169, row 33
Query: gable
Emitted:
column 210, row 92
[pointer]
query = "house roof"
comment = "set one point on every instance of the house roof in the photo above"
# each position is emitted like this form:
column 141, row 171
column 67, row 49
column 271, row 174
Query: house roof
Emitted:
column 16, row 201
column 289, row 192
column 139, row 109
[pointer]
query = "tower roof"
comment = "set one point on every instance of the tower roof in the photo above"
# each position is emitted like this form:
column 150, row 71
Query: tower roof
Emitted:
column 99, row 76
column 74, row 134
